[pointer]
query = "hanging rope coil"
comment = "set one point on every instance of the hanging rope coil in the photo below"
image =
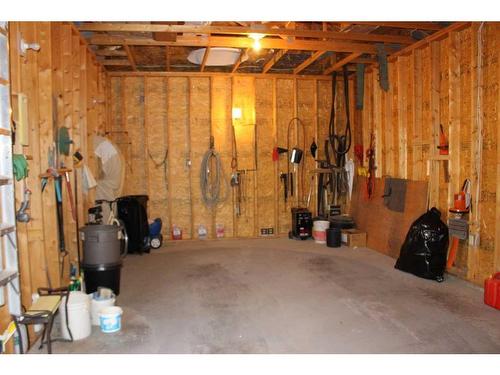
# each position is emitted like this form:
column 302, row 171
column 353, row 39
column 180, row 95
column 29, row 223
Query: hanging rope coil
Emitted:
column 211, row 180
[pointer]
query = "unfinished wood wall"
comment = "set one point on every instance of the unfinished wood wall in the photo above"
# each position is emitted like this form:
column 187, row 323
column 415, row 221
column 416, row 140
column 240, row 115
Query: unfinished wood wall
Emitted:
column 149, row 114
column 438, row 84
column 64, row 86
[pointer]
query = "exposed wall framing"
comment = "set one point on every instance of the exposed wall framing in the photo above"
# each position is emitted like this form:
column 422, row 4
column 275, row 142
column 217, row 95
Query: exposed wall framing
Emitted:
column 63, row 78
column 435, row 84
column 189, row 109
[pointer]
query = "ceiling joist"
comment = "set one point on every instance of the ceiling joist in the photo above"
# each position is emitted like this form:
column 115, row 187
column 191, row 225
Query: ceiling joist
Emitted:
column 274, row 59
column 339, row 64
column 237, row 30
column 117, row 62
column 241, row 42
column 403, row 25
column 130, row 56
column 316, row 55
column 205, row 57
column 240, row 60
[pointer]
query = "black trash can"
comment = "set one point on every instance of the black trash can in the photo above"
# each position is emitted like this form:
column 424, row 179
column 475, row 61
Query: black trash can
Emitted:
column 107, row 276
column 132, row 210
column 333, row 237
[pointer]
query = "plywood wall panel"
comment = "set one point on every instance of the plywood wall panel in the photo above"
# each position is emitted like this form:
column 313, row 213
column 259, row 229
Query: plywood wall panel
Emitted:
column 243, row 94
column 284, row 113
column 179, row 155
column 200, row 132
column 155, row 117
column 306, row 111
column 133, row 119
column 267, row 180
column 221, row 98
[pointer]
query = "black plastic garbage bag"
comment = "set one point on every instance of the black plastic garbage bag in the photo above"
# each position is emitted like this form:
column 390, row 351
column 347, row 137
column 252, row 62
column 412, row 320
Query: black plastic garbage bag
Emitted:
column 425, row 248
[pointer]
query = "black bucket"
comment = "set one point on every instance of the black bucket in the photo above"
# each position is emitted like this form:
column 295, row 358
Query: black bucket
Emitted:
column 104, row 276
column 333, row 237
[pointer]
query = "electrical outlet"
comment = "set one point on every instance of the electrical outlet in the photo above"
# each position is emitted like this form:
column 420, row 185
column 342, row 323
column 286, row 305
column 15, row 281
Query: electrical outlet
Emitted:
column 474, row 239
column 266, row 231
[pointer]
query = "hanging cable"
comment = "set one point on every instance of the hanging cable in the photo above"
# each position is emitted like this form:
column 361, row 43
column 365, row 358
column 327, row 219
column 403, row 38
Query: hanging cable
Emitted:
column 162, row 163
column 340, row 144
column 211, row 180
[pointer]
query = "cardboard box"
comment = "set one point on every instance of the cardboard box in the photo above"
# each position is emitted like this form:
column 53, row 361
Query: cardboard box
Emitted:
column 354, row 237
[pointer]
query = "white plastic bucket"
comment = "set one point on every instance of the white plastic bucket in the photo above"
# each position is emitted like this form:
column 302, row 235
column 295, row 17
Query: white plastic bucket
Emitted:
column 319, row 230
column 96, row 305
column 78, row 316
column 110, row 319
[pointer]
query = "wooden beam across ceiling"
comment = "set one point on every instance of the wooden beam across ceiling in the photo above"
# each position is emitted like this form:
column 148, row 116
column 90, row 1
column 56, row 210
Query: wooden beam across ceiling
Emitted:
column 241, row 42
column 117, row 62
column 316, row 55
column 274, row 59
column 402, row 25
column 238, row 30
column 111, row 53
column 339, row 64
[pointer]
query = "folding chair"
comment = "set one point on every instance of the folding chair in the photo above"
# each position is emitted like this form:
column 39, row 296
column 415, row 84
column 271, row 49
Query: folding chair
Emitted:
column 43, row 312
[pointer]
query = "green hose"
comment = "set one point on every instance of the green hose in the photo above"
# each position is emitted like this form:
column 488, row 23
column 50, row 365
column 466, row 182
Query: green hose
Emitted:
column 20, row 166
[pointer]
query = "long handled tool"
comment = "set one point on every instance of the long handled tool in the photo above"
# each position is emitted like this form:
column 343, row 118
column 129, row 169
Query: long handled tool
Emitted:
column 70, row 195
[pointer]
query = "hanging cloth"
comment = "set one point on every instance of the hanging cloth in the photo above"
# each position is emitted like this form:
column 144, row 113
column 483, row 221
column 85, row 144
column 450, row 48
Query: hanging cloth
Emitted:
column 20, row 166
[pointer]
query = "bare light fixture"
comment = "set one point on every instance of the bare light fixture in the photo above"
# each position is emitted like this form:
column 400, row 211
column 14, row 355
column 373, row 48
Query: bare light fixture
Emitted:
column 236, row 113
column 24, row 46
column 256, row 40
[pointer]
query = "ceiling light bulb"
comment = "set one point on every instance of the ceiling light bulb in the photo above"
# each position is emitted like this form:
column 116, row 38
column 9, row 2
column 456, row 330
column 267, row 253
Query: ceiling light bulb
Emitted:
column 256, row 44
column 256, row 40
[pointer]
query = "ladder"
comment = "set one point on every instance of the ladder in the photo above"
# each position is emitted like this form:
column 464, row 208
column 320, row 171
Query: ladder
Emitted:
column 9, row 265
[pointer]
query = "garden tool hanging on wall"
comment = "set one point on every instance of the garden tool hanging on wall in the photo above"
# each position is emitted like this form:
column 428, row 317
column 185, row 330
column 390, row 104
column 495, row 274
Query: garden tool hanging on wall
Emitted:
column 63, row 141
column 337, row 145
column 370, row 177
column 294, row 156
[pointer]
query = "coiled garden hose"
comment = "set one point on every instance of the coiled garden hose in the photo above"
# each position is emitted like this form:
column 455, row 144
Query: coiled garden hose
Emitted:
column 211, row 180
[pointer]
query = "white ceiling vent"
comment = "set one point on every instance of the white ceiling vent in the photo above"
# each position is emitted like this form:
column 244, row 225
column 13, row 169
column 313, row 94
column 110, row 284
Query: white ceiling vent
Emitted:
column 216, row 56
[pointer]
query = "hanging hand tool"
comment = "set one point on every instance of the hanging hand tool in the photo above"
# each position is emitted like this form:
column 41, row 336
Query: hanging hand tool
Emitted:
column 370, row 178
column 284, row 178
column 70, row 195
column 235, row 183
column 59, row 208
column 313, row 148
column 443, row 142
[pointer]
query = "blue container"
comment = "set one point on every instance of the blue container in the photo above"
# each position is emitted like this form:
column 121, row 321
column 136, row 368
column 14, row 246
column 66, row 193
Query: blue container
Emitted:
column 110, row 319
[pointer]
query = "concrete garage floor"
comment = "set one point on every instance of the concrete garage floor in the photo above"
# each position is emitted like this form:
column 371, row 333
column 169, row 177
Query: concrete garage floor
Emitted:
column 283, row 296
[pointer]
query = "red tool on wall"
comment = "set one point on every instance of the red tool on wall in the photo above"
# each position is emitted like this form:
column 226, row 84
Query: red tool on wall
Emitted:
column 443, row 142
column 370, row 157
